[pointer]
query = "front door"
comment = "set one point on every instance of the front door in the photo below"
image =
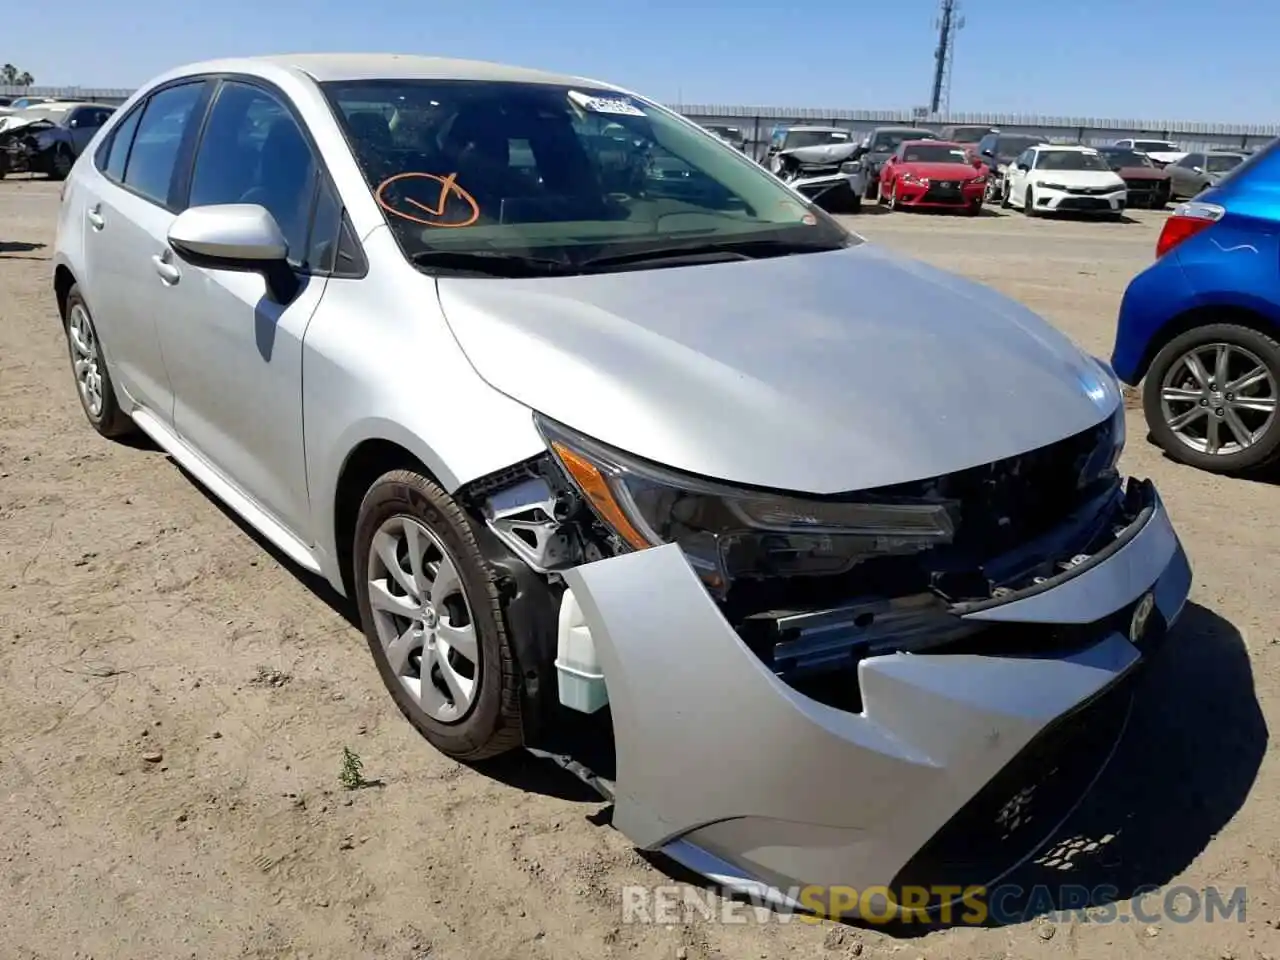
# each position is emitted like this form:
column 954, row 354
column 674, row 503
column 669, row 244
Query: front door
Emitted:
column 234, row 353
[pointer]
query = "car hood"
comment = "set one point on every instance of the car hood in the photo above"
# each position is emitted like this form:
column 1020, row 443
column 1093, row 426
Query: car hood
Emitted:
column 1080, row 178
column 940, row 171
column 1142, row 173
column 823, row 153
column 819, row 373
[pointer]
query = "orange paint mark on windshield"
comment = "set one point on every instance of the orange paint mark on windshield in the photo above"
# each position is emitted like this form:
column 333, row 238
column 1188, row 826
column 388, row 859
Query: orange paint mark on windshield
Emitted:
column 418, row 210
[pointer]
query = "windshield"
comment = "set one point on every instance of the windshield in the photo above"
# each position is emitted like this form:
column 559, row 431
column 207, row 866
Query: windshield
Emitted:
column 889, row 140
column 968, row 134
column 934, row 153
column 1009, row 147
column 1155, row 146
column 1223, row 162
column 564, row 175
column 1070, row 160
column 1127, row 158
column 814, row 138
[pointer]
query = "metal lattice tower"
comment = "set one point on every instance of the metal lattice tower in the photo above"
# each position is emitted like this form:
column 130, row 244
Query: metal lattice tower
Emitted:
column 949, row 22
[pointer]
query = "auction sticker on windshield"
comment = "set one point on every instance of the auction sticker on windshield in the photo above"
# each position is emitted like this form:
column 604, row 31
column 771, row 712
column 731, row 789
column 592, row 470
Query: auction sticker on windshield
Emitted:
column 620, row 106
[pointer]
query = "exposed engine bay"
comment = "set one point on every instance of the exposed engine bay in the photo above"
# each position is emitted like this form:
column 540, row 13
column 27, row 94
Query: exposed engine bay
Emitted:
column 811, row 605
column 23, row 148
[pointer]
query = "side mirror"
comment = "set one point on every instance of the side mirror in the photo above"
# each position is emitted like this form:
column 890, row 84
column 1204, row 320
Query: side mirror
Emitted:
column 243, row 237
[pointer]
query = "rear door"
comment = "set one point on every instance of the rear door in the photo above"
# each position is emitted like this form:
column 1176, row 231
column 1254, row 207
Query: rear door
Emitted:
column 127, row 212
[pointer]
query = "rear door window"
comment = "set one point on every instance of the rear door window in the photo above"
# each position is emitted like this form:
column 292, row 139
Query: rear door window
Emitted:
column 112, row 162
column 158, row 140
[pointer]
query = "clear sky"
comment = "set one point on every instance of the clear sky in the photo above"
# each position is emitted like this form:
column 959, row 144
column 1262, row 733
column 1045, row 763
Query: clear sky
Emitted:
column 1150, row 59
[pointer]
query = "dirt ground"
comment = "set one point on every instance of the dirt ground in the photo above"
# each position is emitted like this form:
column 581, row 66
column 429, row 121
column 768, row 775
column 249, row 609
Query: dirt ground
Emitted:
column 174, row 703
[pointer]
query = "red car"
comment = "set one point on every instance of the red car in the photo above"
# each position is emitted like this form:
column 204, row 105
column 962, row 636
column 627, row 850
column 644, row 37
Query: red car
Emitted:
column 933, row 173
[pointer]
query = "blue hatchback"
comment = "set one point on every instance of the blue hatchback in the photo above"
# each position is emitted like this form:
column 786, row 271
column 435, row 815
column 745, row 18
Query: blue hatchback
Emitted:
column 1201, row 324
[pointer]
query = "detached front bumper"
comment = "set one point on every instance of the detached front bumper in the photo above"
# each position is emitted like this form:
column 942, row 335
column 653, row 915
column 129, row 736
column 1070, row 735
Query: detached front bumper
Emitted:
column 739, row 777
column 832, row 191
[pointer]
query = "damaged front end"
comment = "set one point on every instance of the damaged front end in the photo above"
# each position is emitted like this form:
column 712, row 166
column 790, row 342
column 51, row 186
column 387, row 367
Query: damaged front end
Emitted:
column 826, row 175
column 877, row 676
column 25, row 146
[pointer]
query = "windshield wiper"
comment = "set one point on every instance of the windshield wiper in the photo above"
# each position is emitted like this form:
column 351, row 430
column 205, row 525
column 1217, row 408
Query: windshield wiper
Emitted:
column 492, row 263
column 716, row 251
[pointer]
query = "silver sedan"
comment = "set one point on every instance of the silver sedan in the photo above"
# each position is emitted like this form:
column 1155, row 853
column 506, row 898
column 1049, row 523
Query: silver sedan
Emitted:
column 829, row 546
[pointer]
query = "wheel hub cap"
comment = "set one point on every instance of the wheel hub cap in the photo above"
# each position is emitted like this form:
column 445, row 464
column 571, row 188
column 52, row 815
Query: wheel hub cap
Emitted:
column 423, row 619
column 1219, row 399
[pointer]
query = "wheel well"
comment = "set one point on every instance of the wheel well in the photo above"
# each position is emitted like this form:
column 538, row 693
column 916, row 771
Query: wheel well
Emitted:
column 365, row 464
column 63, row 281
column 1199, row 317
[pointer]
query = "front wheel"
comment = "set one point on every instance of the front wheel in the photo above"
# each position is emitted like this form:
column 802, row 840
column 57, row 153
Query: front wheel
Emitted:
column 431, row 614
column 973, row 209
column 1210, row 398
column 1005, row 203
column 1029, row 203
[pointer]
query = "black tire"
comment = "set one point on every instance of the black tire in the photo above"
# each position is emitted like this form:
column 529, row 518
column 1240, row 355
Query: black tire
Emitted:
column 1029, row 203
column 110, row 421
column 492, row 723
column 1264, row 451
column 61, row 163
column 855, row 204
column 1004, row 197
column 873, row 188
column 893, row 198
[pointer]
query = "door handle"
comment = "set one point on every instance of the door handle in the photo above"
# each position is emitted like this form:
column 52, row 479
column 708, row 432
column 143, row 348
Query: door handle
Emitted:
column 95, row 219
column 169, row 274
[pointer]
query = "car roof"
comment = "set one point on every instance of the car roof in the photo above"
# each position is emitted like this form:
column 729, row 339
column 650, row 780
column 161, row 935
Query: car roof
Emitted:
column 1073, row 147
column 327, row 67
column 936, row 143
column 816, row 128
column 901, row 129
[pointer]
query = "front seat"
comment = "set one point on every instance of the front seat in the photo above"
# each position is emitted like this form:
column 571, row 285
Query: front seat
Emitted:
column 284, row 181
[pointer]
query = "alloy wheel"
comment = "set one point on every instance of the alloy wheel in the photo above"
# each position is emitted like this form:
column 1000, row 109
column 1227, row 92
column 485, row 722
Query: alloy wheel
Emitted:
column 1218, row 399
column 86, row 359
column 423, row 618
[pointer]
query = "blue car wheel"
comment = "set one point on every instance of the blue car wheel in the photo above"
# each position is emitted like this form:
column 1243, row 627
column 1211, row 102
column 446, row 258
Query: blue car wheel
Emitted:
column 1210, row 398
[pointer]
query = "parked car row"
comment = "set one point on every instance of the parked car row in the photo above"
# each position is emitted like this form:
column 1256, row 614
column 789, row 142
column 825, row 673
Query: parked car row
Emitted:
column 830, row 165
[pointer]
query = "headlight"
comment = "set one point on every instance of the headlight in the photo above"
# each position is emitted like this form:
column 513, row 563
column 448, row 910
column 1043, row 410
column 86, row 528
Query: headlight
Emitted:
column 1112, row 444
column 726, row 532
column 1053, row 186
column 850, row 167
column 981, row 178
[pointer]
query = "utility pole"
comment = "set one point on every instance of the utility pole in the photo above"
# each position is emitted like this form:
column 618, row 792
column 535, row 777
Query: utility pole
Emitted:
column 948, row 23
